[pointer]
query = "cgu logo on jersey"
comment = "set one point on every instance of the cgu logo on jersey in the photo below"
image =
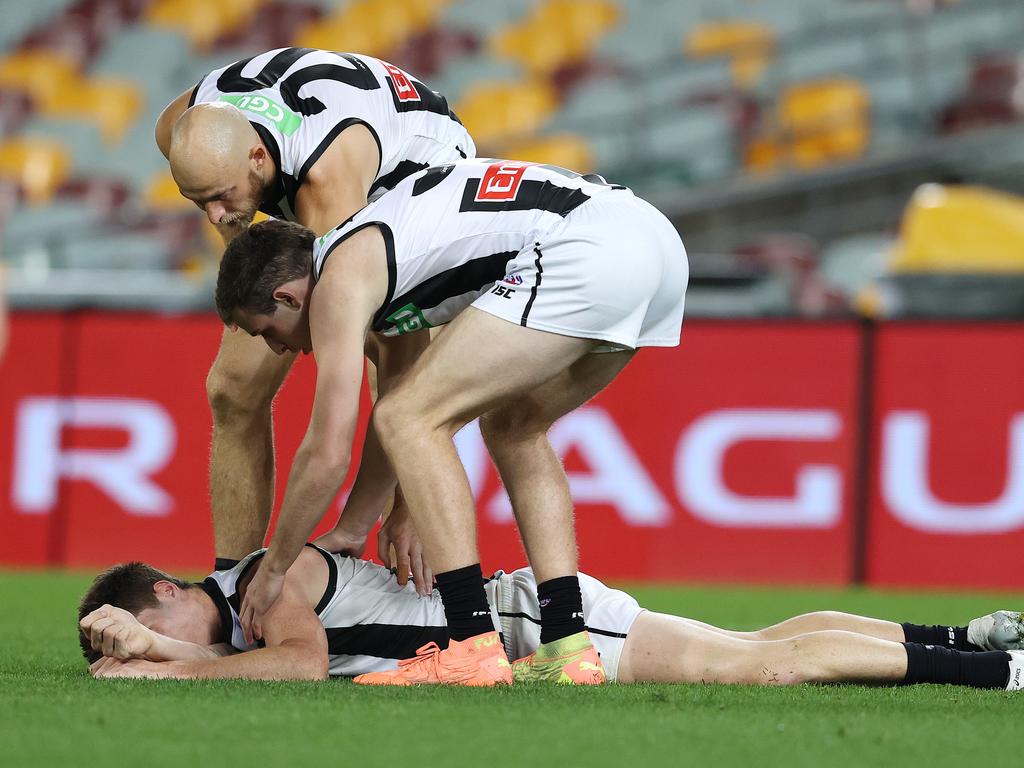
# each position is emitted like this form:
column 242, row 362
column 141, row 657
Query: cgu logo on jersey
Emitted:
column 408, row 319
column 501, row 181
column 402, row 84
column 287, row 122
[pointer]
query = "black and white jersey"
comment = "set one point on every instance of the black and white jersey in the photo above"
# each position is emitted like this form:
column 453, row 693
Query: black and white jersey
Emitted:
column 451, row 230
column 300, row 99
column 370, row 620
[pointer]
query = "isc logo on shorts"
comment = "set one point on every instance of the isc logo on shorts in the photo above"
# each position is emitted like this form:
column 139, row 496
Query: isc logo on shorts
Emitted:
column 405, row 90
column 501, row 181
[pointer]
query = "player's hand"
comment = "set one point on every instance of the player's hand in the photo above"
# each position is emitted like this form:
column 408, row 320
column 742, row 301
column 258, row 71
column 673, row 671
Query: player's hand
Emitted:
column 109, row 667
column 116, row 633
column 399, row 532
column 260, row 596
column 342, row 541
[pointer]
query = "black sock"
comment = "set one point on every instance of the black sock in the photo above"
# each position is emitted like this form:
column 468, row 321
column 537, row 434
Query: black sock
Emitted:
column 465, row 602
column 939, row 634
column 934, row 664
column 225, row 564
column 561, row 608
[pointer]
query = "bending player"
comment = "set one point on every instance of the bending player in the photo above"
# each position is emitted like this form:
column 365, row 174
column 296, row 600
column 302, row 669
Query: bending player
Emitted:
column 342, row 616
column 308, row 136
column 567, row 276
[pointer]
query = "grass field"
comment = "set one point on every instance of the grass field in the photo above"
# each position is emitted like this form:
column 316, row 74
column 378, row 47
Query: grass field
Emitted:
column 53, row 713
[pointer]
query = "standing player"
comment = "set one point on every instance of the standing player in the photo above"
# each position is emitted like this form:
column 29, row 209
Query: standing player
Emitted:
column 567, row 277
column 308, row 136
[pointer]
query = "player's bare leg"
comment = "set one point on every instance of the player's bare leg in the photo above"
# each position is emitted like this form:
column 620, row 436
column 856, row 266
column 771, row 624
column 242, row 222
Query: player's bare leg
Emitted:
column 241, row 386
column 480, row 363
column 663, row 648
column 516, row 436
column 998, row 631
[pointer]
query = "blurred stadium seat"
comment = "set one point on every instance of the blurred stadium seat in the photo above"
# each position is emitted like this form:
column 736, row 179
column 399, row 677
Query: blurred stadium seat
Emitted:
column 36, row 165
column 495, row 111
column 748, row 45
column 961, row 229
column 202, row 22
column 567, row 150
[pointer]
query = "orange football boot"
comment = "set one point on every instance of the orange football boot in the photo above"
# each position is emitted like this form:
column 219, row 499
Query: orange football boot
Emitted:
column 477, row 661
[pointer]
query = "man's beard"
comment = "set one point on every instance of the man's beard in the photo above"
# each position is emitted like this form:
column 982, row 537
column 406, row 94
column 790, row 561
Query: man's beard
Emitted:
column 244, row 215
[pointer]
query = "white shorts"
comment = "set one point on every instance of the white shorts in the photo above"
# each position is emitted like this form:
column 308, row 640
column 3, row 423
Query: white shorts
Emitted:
column 614, row 270
column 609, row 614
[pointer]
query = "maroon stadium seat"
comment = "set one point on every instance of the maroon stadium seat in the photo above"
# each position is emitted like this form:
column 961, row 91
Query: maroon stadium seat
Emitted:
column 990, row 95
column 426, row 53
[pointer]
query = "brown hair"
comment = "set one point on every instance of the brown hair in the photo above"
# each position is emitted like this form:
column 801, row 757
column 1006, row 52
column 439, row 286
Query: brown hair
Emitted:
column 257, row 262
column 128, row 586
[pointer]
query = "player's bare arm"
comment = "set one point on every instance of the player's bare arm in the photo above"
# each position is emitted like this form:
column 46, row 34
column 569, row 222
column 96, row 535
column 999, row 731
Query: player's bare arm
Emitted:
column 352, row 286
column 375, row 485
column 117, row 633
column 296, row 645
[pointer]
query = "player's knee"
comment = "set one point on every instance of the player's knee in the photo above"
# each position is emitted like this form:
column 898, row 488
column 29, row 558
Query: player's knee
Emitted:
column 232, row 397
column 391, row 418
column 511, row 425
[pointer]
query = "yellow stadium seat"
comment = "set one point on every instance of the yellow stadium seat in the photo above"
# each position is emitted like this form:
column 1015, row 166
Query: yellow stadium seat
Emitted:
column 586, row 21
column 162, row 194
column 334, row 35
column 111, row 104
column 961, row 229
column 825, row 121
column 567, row 150
column 494, row 111
column 38, row 72
column 557, row 33
column 202, row 21
column 749, row 45
column 38, row 166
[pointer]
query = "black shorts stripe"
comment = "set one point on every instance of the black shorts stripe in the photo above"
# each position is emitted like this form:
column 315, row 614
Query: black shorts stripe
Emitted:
column 473, row 275
column 536, row 285
column 528, row 617
column 385, row 641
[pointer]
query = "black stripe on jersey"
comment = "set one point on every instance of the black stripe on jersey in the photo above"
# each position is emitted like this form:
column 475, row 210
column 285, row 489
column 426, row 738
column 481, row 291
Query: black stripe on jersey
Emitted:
column 536, row 285
column 195, row 92
column 389, row 247
column 232, row 81
column 332, row 578
column 271, row 202
column 431, row 178
column 210, row 586
column 386, row 641
column 326, row 142
column 403, row 170
column 429, row 101
column 533, row 195
column 473, row 275
column 528, row 617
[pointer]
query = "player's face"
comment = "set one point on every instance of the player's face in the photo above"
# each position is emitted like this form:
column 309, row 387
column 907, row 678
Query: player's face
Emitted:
column 174, row 621
column 286, row 330
column 231, row 200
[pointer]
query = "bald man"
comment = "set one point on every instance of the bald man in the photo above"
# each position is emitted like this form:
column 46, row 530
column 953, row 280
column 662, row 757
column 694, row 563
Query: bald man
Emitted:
column 308, row 136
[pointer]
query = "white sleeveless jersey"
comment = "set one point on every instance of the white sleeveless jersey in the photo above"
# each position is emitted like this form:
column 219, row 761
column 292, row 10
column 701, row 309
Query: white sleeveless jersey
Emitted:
column 451, row 231
column 370, row 620
column 300, row 99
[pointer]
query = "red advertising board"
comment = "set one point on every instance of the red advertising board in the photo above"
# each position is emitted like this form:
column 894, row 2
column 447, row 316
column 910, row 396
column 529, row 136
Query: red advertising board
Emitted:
column 947, row 491
column 729, row 458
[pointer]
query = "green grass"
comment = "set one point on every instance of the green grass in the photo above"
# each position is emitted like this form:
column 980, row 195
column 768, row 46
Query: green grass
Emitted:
column 52, row 713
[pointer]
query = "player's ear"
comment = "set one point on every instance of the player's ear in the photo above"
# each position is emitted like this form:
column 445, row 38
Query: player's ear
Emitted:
column 258, row 155
column 165, row 589
column 284, row 295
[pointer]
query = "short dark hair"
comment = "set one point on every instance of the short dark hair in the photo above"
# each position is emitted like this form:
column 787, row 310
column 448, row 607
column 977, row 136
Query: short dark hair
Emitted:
column 257, row 262
column 128, row 586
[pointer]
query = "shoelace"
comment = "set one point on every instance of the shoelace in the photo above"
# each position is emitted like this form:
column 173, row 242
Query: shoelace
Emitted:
column 429, row 654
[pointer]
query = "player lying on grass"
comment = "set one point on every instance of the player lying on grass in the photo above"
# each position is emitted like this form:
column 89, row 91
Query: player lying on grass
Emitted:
column 342, row 616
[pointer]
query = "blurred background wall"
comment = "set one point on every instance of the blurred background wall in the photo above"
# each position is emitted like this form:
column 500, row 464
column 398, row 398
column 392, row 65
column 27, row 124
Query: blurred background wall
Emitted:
column 845, row 406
